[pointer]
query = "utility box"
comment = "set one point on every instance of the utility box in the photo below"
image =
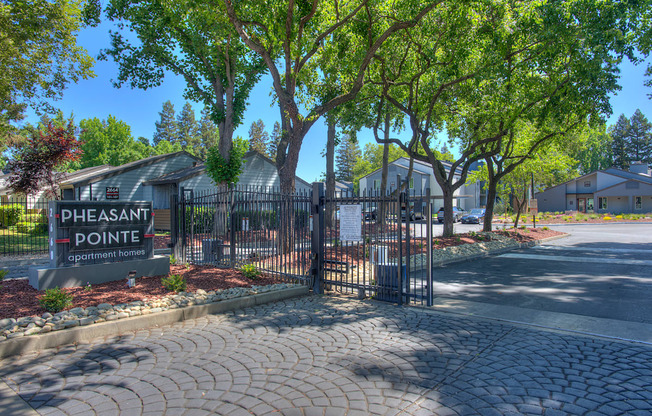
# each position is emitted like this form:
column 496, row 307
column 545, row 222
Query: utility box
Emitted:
column 211, row 249
column 386, row 275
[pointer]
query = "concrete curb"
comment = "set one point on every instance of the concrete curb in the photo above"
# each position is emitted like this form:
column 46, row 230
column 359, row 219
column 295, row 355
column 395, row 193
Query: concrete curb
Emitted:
column 33, row 343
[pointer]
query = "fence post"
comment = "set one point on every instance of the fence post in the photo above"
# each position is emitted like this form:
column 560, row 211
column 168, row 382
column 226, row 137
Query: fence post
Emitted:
column 429, row 246
column 317, row 246
column 232, row 249
column 175, row 247
column 399, row 263
column 182, row 221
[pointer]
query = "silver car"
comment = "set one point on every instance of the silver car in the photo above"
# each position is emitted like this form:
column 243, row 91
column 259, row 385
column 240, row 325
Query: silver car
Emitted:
column 457, row 214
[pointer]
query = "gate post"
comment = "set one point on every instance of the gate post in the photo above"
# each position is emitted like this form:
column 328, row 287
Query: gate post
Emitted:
column 399, row 263
column 232, row 230
column 175, row 247
column 182, row 222
column 317, row 240
column 429, row 247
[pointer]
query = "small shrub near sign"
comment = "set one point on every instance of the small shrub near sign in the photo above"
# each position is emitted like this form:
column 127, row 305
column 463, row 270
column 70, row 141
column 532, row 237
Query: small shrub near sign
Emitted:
column 174, row 283
column 55, row 300
column 250, row 271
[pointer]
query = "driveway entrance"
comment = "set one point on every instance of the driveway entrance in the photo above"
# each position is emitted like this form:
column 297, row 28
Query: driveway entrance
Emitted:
column 599, row 271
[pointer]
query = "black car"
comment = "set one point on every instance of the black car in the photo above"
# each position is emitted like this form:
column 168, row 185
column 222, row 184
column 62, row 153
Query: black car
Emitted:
column 457, row 214
column 474, row 217
column 369, row 214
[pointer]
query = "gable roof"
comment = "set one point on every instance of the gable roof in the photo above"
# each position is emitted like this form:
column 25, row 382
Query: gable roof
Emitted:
column 125, row 168
column 72, row 176
column 189, row 172
column 178, row 175
column 624, row 183
column 623, row 174
column 628, row 175
column 419, row 166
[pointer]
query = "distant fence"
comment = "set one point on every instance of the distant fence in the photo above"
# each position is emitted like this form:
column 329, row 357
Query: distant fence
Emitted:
column 23, row 227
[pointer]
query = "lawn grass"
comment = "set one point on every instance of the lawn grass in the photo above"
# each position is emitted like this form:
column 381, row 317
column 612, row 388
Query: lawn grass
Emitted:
column 12, row 242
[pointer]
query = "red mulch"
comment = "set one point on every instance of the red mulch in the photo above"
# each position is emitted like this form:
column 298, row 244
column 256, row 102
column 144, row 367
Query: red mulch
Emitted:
column 18, row 298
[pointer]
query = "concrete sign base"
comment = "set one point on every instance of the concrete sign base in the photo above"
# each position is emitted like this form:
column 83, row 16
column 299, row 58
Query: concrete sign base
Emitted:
column 42, row 278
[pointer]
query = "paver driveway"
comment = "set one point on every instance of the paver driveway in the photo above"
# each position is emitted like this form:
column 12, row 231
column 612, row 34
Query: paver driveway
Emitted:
column 323, row 356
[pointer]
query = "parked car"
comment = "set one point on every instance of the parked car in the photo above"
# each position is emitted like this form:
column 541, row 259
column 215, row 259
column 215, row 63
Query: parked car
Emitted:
column 414, row 215
column 457, row 214
column 369, row 214
column 475, row 216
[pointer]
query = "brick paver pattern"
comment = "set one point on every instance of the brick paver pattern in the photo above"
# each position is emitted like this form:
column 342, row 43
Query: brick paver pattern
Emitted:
column 332, row 356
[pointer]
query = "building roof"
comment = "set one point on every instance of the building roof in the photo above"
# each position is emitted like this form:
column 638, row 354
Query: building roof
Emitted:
column 178, row 175
column 72, row 176
column 124, row 168
column 609, row 171
column 419, row 166
column 624, row 183
column 187, row 173
column 628, row 175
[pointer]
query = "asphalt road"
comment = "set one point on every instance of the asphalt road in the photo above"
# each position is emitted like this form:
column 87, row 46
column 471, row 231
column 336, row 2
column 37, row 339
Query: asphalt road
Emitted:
column 602, row 271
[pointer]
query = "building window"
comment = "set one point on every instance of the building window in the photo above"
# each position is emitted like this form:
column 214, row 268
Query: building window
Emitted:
column 376, row 184
column 589, row 205
column 587, row 184
column 411, row 183
column 602, row 203
column 638, row 202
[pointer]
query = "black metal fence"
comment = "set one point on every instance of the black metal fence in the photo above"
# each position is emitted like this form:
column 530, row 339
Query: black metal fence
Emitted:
column 370, row 245
column 244, row 225
column 23, row 227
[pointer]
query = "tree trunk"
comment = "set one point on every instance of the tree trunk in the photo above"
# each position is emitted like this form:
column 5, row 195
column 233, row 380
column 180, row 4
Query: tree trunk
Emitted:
column 287, row 159
column 330, row 175
column 381, row 212
column 491, row 203
column 448, row 212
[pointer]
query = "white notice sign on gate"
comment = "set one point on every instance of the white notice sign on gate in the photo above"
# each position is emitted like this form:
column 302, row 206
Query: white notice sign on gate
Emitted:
column 351, row 222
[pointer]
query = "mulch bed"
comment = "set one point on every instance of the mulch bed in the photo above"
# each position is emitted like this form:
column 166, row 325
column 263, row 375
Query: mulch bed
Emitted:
column 18, row 298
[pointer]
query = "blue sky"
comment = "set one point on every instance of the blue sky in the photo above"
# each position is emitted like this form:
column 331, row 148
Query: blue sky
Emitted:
column 140, row 109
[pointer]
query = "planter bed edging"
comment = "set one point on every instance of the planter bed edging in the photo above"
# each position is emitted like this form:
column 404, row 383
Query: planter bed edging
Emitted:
column 82, row 334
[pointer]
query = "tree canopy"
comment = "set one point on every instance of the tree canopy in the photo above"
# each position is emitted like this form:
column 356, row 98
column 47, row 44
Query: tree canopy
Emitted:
column 39, row 55
column 191, row 39
column 36, row 162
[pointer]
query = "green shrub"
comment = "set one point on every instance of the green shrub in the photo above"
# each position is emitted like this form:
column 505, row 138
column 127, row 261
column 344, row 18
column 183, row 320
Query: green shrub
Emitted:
column 32, row 228
column 174, row 283
column 200, row 219
column 11, row 215
column 250, row 271
column 55, row 300
column 258, row 220
column 545, row 228
column 3, row 274
column 522, row 227
column 173, row 260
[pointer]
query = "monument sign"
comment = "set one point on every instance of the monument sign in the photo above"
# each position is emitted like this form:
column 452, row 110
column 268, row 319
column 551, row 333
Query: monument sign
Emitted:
column 98, row 241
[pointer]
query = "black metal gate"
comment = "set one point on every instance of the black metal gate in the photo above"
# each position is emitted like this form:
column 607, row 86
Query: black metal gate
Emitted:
column 388, row 258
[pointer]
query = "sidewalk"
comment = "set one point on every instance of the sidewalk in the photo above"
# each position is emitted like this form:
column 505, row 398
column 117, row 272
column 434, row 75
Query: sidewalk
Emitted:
column 320, row 355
